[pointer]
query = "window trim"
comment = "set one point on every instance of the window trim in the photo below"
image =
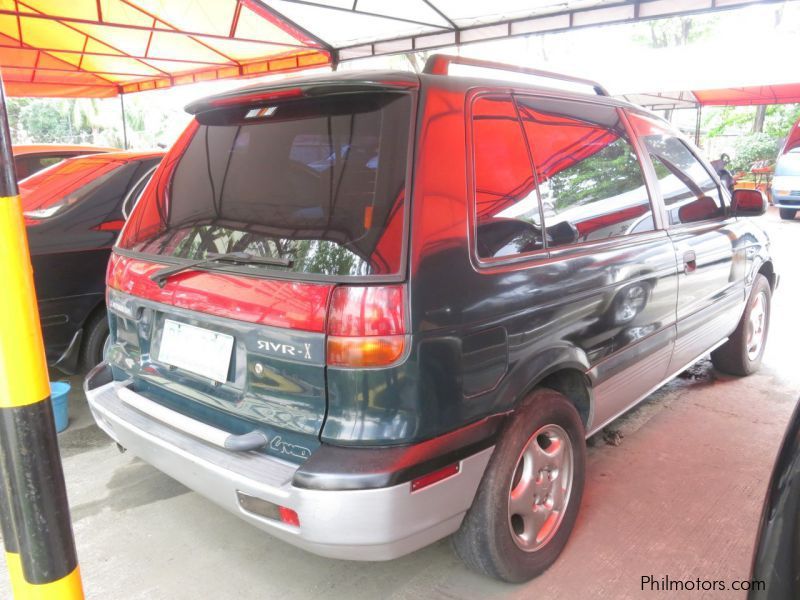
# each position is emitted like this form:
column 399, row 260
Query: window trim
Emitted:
column 547, row 253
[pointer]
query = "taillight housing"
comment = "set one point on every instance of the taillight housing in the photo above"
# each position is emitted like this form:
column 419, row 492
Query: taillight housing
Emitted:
column 366, row 326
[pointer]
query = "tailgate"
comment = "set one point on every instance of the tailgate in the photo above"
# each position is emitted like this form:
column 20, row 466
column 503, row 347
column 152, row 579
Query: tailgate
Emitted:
column 236, row 359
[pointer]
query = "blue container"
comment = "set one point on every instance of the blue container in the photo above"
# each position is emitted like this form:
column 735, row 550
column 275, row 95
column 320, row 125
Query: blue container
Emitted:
column 59, row 394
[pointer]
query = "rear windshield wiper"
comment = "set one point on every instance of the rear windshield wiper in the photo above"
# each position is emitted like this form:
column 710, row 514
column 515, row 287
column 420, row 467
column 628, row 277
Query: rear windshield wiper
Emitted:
column 237, row 258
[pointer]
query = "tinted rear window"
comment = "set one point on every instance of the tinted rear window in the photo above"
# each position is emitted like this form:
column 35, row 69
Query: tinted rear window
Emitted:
column 319, row 182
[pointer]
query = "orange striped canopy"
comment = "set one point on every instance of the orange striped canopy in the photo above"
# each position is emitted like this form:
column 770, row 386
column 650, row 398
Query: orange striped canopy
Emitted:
column 101, row 48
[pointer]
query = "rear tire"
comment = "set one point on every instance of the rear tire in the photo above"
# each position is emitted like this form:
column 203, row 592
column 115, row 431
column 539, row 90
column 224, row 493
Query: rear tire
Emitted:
column 741, row 355
column 787, row 214
column 96, row 335
column 514, row 529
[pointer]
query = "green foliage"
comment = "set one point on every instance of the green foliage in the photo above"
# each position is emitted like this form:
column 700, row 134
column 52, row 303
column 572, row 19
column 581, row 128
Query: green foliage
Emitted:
column 751, row 148
column 94, row 121
column 780, row 118
column 39, row 120
column 734, row 120
column 728, row 120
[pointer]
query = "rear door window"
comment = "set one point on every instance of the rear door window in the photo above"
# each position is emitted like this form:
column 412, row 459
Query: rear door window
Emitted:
column 689, row 191
column 590, row 180
column 317, row 182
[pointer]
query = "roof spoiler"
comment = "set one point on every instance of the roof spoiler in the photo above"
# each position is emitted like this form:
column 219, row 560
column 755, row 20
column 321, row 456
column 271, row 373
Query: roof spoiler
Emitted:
column 293, row 90
column 438, row 64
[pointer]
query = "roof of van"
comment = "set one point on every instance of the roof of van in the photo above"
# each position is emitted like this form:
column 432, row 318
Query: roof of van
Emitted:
column 373, row 80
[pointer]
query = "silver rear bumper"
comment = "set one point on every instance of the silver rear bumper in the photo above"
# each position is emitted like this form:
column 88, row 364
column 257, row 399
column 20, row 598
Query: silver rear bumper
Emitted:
column 373, row 524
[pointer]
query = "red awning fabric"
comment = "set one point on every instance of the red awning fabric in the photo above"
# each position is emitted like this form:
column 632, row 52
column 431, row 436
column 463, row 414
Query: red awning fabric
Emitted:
column 101, row 48
column 747, row 96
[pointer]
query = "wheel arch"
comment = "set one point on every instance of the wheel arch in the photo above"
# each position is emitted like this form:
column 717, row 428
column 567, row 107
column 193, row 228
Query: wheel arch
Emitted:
column 563, row 369
column 767, row 269
column 575, row 386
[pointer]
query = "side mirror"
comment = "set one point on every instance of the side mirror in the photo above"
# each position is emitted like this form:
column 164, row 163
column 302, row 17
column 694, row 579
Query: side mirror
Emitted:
column 749, row 203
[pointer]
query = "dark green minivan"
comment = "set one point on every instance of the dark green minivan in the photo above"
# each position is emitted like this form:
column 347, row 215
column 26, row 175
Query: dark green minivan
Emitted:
column 366, row 311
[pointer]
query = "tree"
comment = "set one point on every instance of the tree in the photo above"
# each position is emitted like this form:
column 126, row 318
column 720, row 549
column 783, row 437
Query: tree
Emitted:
column 752, row 145
column 674, row 31
column 751, row 148
column 758, row 120
column 150, row 121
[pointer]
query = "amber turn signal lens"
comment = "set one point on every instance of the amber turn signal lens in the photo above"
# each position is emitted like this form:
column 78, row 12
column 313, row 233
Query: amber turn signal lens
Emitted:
column 369, row 351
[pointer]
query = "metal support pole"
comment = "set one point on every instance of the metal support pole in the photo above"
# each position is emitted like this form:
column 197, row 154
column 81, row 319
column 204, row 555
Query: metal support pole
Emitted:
column 697, row 125
column 124, row 124
column 34, row 514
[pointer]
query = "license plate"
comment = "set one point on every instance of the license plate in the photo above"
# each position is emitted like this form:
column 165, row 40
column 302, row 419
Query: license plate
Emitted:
column 195, row 349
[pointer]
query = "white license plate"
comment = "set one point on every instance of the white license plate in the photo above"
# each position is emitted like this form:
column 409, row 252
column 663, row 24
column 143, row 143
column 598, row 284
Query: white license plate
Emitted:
column 195, row 349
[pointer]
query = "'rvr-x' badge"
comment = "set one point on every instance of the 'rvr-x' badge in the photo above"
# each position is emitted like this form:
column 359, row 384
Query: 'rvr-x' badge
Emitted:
column 302, row 351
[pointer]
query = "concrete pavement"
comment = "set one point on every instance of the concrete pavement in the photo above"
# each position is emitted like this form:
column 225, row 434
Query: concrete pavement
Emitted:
column 674, row 489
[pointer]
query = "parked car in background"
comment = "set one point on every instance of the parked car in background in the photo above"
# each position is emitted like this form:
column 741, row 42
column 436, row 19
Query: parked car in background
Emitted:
column 32, row 158
column 365, row 311
column 73, row 213
column 786, row 184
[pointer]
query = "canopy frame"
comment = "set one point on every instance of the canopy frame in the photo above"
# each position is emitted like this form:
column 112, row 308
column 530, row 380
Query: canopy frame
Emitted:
column 278, row 36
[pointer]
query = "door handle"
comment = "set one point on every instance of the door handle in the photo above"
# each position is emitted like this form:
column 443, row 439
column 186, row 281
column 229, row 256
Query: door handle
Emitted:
column 689, row 261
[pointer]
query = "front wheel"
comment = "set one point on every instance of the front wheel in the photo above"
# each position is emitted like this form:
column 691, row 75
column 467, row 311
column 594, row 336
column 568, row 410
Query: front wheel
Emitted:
column 787, row 214
column 529, row 498
column 742, row 353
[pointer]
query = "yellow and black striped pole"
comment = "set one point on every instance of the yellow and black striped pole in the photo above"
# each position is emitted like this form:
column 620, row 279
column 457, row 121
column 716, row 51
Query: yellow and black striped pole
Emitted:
column 34, row 514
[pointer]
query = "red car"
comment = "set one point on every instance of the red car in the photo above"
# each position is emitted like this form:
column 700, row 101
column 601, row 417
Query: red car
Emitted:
column 73, row 213
column 31, row 158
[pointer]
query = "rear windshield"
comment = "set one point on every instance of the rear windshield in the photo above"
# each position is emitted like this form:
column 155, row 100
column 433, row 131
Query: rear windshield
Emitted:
column 788, row 164
column 65, row 183
column 319, row 183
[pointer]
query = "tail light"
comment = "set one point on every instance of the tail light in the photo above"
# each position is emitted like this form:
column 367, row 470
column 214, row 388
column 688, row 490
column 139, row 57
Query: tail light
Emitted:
column 112, row 273
column 366, row 326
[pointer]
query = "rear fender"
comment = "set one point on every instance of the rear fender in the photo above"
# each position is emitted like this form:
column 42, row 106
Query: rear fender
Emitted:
column 528, row 373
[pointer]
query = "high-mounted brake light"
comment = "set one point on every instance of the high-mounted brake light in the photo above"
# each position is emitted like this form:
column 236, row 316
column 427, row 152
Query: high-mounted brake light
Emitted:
column 366, row 326
column 263, row 96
